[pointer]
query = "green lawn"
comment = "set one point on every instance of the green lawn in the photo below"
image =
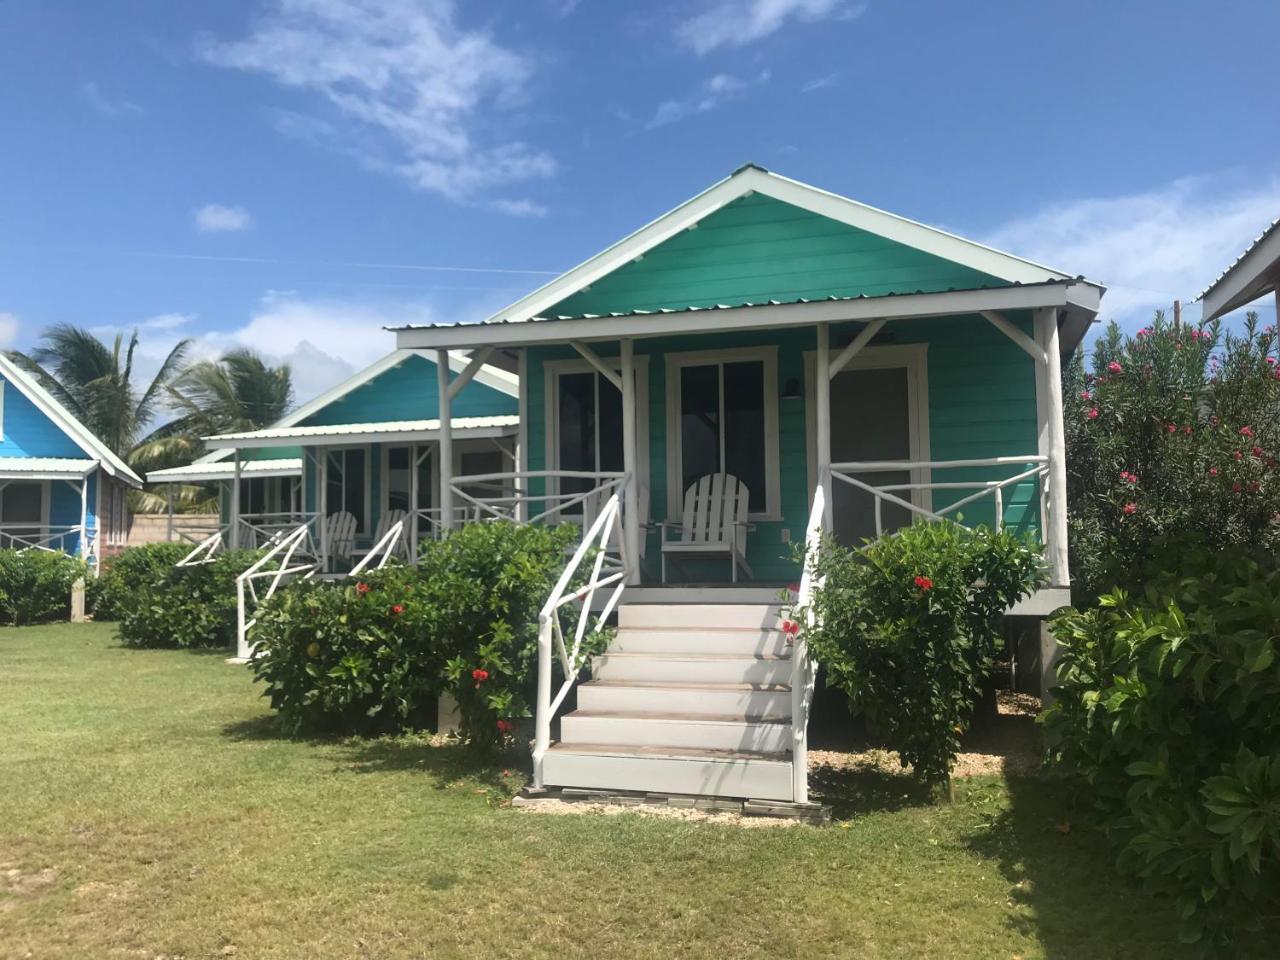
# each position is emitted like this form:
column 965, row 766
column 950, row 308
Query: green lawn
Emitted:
column 148, row 809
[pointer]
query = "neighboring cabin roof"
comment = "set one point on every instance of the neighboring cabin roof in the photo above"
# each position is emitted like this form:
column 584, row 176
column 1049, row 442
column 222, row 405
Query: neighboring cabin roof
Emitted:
column 45, row 468
column 341, row 433
column 489, row 375
column 1254, row 274
column 998, row 267
column 69, row 425
column 225, row 470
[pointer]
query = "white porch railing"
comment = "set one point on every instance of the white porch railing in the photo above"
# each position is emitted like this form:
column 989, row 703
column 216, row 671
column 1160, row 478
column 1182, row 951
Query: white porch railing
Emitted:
column 389, row 546
column 282, row 553
column 606, row 572
column 506, row 496
column 804, row 671
column 205, row 551
column 53, row 538
column 888, row 493
column 258, row 530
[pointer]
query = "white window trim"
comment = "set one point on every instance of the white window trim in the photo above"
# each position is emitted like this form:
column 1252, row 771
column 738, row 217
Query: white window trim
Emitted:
column 363, row 527
column 552, row 370
column 46, row 497
column 914, row 357
column 768, row 356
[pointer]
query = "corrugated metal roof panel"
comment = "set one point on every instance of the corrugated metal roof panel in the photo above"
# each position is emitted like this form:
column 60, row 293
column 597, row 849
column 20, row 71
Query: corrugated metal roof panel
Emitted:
column 1237, row 261
column 226, row 469
column 352, row 429
column 20, row 466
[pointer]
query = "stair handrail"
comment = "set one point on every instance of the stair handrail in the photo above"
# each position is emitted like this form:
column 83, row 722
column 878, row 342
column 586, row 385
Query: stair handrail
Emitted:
column 599, row 535
column 205, row 551
column 288, row 546
column 804, row 671
column 385, row 549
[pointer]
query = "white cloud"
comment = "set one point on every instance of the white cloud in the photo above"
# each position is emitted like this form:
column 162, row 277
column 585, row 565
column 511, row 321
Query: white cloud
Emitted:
column 411, row 89
column 108, row 106
column 735, row 23
column 218, row 218
column 819, row 83
column 8, row 329
column 1148, row 248
column 714, row 92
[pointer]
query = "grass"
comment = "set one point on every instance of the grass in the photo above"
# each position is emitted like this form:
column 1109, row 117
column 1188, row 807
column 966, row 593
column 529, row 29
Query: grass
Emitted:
column 149, row 809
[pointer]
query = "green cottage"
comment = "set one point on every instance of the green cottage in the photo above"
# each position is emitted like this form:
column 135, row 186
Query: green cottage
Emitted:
column 764, row 360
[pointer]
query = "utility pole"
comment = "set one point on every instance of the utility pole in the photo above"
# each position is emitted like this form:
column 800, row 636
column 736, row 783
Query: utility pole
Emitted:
column 1177, row 314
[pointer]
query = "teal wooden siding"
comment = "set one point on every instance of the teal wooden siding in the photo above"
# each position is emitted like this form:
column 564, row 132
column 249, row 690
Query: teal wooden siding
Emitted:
column 980, row 398
column 758, row 248
column 26, row 431
column 410, row 391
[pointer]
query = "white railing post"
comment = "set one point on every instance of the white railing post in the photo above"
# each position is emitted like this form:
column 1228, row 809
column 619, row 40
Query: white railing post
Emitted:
column 1046, row 324
column 630, row 458
column 804, row 672
column 445, row 415
column 822, row 404
column 243, row 650
column 542, row 717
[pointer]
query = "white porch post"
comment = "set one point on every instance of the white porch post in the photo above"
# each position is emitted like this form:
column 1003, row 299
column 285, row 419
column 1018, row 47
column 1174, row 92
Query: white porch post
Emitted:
column 235, row 502
column 822, row 400
column 322, row 502
column 84, row 517
column 522, row 435
column 630, row 459
column 1046, row 327
column 446, row 441
column 168, row 522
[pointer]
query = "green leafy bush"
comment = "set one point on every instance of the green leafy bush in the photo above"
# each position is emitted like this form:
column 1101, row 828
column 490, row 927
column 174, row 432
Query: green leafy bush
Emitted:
column 372, row 656
column 1168, row 718
column 35, row 585
column 1173, row 430
column 123, row 575
column 191, row 606
column 907, row 628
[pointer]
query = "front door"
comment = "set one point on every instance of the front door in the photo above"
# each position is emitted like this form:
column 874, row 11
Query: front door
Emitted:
column 870, row 421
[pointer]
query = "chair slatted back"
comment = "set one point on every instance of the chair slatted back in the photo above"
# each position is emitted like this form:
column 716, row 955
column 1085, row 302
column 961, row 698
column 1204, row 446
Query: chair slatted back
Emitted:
column 340, row 533
column 712, row 505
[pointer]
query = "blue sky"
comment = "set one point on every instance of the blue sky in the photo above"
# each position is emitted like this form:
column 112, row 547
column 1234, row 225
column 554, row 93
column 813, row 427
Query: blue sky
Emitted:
column 293, row 174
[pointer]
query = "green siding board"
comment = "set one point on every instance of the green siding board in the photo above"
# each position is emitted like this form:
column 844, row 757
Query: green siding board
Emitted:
column 807, row 255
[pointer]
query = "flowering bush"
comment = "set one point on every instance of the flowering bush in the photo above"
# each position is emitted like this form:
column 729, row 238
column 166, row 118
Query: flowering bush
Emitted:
column 907, row 628
column 373, row 656
column 1172, row 431
column 186, row 606
column 113, row 592
column 1166, row 718
column 35, row 585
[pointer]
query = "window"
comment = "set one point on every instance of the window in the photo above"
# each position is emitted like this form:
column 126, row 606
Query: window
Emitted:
column 723, row 419
column 590, row 428
column 346, row 484
column 22, row 502
column 398, row 478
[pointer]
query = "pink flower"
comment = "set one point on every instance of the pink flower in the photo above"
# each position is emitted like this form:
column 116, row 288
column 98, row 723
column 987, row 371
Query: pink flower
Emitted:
column 1254, row 486
column 1235, row 488
column 1271, row 361
column 1115, row 367
column 397, row 608
column 1093, row 414
column 1213, row 471
column 363, row 588
column 1130, row 509
column 1143, row 332
column 1238, row 455
column 1246, row 431
column 1257, row 452
column 1128, row 477
column 790, row 627
column 1171, row 427
column 1086, row 395
column 1187, row 430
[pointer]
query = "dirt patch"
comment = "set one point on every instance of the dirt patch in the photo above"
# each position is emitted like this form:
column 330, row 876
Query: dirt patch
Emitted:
column 105, row 890
column 16, row 882
column 562, row 808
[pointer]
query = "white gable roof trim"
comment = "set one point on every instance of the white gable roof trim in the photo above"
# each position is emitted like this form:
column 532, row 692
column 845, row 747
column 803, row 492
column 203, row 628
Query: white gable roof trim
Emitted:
column 753, row 179
column 69, row 425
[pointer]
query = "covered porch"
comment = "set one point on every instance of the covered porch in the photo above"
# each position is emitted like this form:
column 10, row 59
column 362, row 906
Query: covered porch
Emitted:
column 48, row 503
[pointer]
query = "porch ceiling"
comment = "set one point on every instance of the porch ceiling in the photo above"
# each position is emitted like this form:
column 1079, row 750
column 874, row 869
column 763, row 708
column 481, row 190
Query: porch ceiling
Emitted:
column 343, row 434
column 1078, row 299
column 45, row 468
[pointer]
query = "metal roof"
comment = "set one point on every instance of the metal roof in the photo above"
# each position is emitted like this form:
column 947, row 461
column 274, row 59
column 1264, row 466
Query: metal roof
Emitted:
column 55, row 468
column 226, row 469
column 1240, row 259
column 329, row 434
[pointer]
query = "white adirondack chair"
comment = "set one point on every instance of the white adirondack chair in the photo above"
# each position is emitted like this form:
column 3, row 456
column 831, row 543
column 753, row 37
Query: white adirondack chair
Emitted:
column 388, row 520
column 595, row 502
column 340, row 536
column 714, row 524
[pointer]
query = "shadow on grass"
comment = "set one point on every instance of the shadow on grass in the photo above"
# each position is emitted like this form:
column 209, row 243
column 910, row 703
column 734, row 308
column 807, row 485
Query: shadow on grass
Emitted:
column 446, row 763
column 853, row 791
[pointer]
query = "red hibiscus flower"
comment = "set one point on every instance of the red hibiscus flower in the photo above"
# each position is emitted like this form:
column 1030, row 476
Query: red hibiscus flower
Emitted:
column 1115, row 367
column 1254, row 486
column 1256, row 451
column 1235, row 488
column 1246, row 431
column 790, row 627
column 1213, row 471
column 1238, row 455
column 1130, row 509
column 479, row 675
column 1171, row 427
column 397, row 609
column 1086, row 395
column 363, row 587
column 924, row 583
column 505, row 726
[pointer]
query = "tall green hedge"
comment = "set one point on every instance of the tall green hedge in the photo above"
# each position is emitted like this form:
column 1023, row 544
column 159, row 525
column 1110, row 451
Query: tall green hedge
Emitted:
column 115, row 590
column 35, row 585
column 191, row 606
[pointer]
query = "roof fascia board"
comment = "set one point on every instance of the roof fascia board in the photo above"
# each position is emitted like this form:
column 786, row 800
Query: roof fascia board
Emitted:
column 220, row 471
column 1226, row 292
column 69, row 425
column 349, row 439
column 765, row 316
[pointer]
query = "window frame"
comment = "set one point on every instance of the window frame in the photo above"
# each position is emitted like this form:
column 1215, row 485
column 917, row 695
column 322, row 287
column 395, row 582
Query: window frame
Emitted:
column 363, row 526
column 766, row 355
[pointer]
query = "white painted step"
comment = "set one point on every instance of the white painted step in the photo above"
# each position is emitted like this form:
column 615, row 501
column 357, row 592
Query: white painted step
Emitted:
column 690, row 668
column 733, row 641
column 633, row 696
column 713, row 732
column 714, row 773
column 694, row 616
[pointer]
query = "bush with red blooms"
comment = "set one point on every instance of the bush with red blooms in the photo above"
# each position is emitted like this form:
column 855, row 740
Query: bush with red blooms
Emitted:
column 1174, row 431
column 908, row 625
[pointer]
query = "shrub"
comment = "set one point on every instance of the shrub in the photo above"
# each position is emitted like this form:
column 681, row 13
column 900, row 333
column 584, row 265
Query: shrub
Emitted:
column 123, row 575
column 1174, row 430
column 35, row 585
column 191, row 606
column 372, row 656
column 1166, row 717
column 907, row 628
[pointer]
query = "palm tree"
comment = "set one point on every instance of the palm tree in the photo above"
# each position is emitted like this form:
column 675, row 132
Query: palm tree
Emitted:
column 238, row 392
column 96, row 384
